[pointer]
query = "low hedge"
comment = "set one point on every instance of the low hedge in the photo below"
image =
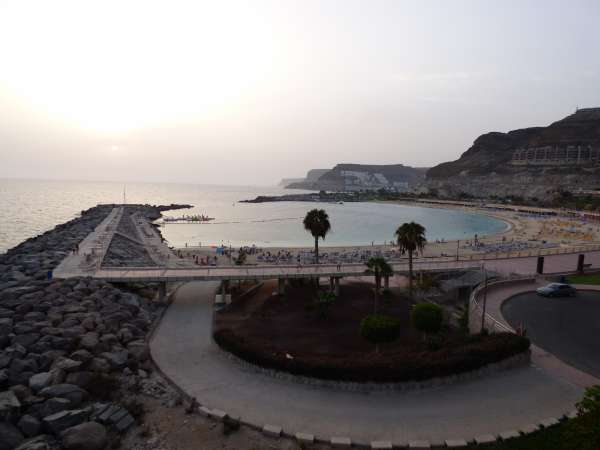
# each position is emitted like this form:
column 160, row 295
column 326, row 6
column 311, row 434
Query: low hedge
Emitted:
column 458, row 357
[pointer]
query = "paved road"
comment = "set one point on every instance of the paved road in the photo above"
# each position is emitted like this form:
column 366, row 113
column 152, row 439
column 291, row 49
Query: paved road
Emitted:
column 567, row 327
column 183, row 349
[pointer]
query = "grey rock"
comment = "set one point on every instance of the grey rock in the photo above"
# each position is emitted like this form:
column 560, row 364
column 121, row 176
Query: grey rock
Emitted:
column 6, row 326
column 10, row 436
column 29, row 425
column 90, row 341
column 40, row 381
column 42, row 442
column 139, row 350
column 67, row 364
column 21, row 391
column 117, row 360
column 9, row 406
column 86, row 436
column 81, row 355
column 26, row 339
column 19, row 365
column 109, row 339
column 5, row 359
column 51, row 406
column 99, row 365
column 89, row 324
column 81, row 379
column 60, row 421
column 69, row 391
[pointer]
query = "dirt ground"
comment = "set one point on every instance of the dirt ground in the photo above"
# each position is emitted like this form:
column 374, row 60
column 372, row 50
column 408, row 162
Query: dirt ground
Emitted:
column 171, row 428
column 288, row 324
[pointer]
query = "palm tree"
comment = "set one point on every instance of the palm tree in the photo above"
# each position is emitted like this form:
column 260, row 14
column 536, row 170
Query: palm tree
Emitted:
column 317, row 223
column 411, row 238
column 379, row 267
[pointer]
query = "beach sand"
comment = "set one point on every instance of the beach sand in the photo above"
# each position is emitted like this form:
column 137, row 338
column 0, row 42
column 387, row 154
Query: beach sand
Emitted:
column 537, row 232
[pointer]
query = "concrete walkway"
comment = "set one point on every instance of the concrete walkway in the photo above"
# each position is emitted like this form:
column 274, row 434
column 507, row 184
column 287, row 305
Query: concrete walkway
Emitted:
column 183, row 349
column 91, row 250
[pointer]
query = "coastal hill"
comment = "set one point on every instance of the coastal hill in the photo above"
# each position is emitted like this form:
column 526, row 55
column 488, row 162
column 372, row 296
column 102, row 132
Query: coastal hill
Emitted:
column 358, row 177
column 311, row 177
column 529, row 162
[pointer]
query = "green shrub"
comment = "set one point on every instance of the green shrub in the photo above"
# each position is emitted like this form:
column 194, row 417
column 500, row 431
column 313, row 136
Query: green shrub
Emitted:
column 377, row 328
column 427, row 317
column 583, row 432
column 323, row 304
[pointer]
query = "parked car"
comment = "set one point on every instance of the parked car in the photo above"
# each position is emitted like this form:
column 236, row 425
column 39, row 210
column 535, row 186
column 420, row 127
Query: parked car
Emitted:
column 557, row 290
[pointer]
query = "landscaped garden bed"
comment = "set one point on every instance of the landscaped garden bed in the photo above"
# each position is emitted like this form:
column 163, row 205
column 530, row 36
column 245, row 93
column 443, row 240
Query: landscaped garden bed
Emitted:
column 295, row 334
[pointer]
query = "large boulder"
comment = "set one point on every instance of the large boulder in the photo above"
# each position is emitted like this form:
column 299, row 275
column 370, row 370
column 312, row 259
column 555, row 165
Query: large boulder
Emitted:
column 42, row 442
column 99, row 365
column 90, row 341
column 138, row 350
column 50, row 406
column 67, row 364
column 6, row 326
column 60, row 421
column 86, row 436
column 40, row 381
column 29, row 425
column 69, row 391
column 10, row 436
column 117, row 360
column 9, row 406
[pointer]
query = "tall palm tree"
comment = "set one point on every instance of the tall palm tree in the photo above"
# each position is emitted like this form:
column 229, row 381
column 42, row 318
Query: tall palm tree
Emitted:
column 411, row 238
column 379, row 267
column 317, row 223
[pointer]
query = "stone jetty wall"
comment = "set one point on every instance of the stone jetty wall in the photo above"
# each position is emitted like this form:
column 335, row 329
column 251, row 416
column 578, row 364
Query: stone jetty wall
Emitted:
column 71, row 351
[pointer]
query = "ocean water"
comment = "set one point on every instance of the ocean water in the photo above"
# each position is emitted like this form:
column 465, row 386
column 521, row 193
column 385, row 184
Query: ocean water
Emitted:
column 30, row 207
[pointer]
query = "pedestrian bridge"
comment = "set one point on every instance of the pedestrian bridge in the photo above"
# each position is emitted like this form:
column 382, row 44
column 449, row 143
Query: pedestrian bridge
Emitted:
column 149, row 274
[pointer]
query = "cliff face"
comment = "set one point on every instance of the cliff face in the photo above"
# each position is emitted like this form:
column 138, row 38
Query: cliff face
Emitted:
column 529, row 162
column 356, row 177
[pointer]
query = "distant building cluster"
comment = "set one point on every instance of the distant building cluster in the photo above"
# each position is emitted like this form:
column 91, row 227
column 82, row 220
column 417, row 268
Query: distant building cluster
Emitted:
column 556, row 155
column 360, row 181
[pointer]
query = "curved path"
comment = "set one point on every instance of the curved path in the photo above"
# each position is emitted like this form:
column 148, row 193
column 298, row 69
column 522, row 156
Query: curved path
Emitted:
column 511, row 400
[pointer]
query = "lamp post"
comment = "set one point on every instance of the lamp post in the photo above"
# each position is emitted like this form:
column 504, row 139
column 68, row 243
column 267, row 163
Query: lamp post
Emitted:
column 485, row 285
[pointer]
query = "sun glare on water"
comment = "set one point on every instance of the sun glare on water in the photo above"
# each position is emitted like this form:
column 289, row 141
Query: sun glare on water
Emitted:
column 115, row 66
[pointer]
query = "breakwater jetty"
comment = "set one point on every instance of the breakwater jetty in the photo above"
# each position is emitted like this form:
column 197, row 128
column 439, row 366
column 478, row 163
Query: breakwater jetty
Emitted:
column 71, row 350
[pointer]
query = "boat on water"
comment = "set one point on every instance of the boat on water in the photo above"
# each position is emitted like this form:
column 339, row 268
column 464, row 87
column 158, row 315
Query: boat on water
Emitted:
column 197, row 218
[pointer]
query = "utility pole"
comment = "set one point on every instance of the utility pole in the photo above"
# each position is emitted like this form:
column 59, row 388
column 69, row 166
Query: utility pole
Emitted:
column 457, row 247
column 485, row 286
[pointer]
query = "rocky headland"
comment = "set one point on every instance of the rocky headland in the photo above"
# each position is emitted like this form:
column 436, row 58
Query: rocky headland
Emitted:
column 73, row 353
column 530, row 163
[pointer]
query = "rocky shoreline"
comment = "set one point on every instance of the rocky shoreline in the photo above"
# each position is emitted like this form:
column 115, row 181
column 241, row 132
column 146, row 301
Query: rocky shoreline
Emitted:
column 73, row 353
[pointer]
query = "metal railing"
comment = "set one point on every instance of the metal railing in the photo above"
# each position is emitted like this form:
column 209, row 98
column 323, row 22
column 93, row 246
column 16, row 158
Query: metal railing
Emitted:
column 491, row 324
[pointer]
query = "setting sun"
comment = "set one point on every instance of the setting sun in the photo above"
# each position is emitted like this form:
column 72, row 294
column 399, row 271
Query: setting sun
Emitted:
column 112, row 69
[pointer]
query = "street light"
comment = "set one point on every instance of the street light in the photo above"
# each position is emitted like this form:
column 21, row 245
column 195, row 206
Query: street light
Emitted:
column 484, row 298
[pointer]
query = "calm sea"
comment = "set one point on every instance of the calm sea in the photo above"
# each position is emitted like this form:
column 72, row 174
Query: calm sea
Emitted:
column 30, row 207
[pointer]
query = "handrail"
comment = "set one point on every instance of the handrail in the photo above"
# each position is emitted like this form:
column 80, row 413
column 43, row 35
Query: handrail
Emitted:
column 488, row 317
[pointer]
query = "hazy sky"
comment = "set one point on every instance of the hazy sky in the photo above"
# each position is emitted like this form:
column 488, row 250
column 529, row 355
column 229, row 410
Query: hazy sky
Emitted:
column 248, row 92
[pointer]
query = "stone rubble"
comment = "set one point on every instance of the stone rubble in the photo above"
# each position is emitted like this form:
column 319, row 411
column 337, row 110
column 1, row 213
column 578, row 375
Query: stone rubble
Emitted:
column 61, row 340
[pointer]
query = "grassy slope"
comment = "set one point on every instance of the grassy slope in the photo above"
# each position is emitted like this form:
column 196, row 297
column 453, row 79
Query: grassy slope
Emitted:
column 584, row 279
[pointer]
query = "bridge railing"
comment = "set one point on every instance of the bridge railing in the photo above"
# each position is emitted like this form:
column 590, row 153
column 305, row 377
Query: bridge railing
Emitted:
column 469, row 261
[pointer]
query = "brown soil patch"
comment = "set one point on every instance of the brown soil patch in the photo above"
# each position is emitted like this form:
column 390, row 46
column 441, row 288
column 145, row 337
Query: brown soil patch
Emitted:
column 288, row 324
